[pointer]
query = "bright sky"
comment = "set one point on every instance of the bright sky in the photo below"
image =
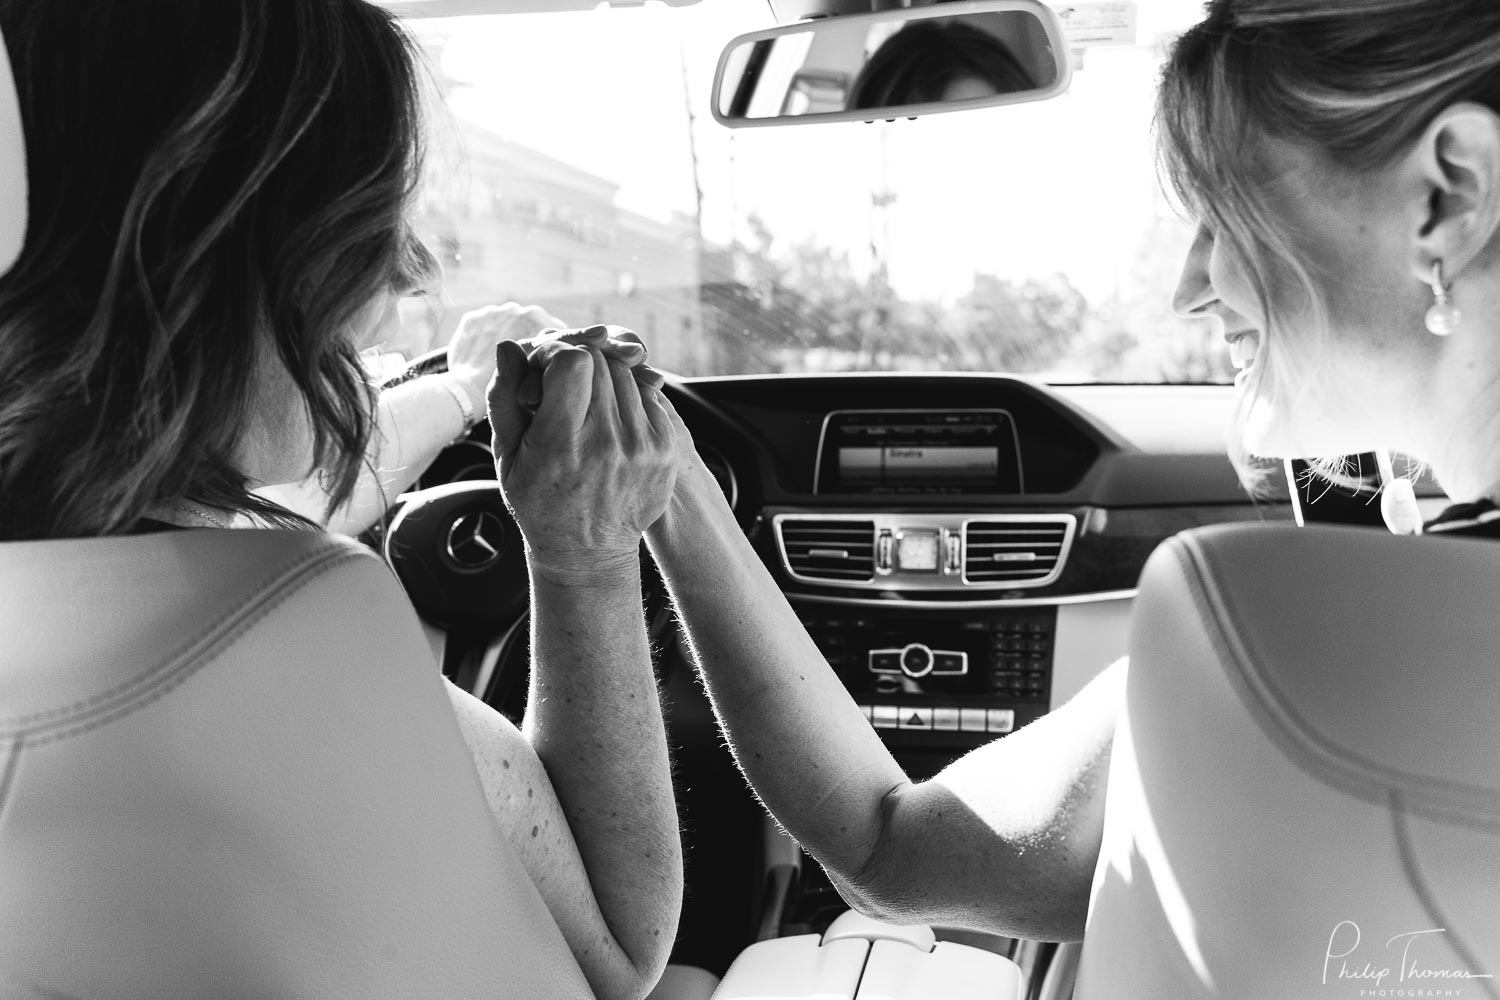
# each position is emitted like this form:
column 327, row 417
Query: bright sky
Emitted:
column 1066, row 185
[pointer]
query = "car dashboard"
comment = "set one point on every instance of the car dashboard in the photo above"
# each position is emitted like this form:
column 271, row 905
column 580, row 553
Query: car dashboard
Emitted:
column 963, row 548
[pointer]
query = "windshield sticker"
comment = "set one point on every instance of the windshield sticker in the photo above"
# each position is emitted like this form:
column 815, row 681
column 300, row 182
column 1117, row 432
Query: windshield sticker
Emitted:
column 1088, row 25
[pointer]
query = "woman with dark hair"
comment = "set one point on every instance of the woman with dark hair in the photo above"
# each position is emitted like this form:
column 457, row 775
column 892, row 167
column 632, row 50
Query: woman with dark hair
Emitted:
column 218, row 203
column 1342, row 160
column 939, row 59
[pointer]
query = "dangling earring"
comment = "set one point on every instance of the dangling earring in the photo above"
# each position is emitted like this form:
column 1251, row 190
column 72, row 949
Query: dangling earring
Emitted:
column 1444, row 317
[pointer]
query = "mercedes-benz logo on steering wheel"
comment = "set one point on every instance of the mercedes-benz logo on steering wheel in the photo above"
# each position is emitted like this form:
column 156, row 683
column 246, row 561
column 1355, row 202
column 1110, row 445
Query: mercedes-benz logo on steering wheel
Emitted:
column 475, row 540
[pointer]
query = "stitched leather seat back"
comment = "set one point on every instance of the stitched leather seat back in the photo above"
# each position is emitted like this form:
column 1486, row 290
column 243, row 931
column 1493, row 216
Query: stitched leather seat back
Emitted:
column 230, row 770
column 1304, row 788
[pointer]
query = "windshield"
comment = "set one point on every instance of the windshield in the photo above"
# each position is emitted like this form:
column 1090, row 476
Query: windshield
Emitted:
column 577, row 167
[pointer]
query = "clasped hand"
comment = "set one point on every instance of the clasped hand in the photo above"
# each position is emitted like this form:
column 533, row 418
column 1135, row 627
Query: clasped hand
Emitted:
column 584, row 446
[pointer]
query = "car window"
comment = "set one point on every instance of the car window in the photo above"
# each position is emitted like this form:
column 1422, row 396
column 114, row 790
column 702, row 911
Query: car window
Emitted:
column 574, row 164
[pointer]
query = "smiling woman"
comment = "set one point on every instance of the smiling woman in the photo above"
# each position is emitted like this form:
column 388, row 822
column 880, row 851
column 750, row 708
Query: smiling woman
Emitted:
column 1374, row 153
column 1341, row 159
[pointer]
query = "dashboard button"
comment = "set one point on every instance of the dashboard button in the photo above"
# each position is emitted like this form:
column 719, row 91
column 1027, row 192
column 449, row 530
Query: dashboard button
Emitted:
column 918, row 551
column 916, row 660
column 973, row 720
column 883, row 716
column 869, row 712
column 950, row 663
column 916, row 718
column 1000, row 720
column 945, row 718
column 885, row 661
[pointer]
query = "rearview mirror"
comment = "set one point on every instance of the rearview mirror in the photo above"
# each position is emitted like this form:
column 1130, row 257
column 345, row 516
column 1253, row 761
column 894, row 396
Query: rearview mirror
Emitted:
column 893, row 64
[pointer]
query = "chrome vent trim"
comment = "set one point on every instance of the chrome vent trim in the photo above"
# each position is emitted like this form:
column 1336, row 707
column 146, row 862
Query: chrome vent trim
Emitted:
column 827, row 548
column 1015, row 550
column 861, row 551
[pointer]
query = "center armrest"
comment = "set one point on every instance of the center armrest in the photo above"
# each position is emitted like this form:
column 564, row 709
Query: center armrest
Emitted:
column 896, row 971
column 863, row 959
column 851, row 924
column 801, row 966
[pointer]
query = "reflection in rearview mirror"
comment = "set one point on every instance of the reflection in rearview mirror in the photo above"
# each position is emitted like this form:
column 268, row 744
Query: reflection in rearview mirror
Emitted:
column 893, row 64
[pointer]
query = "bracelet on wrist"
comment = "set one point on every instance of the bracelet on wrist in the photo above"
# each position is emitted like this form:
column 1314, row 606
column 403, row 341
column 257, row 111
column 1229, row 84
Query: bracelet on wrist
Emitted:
column 465, row 405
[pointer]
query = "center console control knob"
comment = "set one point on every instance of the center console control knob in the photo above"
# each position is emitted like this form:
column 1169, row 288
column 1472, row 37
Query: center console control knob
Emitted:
column 916, row 660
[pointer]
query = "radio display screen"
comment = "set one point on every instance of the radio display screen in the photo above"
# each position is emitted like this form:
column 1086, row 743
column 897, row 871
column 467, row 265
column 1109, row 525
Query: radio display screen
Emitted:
column 919, row 451
column 919, row 463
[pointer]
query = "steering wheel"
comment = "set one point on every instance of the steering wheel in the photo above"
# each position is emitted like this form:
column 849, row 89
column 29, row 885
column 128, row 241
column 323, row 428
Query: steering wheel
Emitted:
column 461, row 558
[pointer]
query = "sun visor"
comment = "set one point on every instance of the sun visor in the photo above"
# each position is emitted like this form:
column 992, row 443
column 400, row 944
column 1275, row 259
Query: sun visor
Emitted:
column 12, row 169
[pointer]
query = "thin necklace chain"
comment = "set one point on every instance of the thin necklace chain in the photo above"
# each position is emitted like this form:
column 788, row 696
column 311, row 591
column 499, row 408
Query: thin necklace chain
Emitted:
column 198, row 512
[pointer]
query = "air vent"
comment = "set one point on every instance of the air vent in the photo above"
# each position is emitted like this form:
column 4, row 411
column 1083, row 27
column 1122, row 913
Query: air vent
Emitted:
column 832, row 551
column 1025, row 552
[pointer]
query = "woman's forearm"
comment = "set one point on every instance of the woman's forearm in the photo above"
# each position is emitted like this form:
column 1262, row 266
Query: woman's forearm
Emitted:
column 415, row 421
column 595, row 721
column 800, row 739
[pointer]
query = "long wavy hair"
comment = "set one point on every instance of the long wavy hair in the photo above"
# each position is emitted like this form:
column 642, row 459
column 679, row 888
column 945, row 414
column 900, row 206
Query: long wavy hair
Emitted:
column 1358, row 80
column 216, row 185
